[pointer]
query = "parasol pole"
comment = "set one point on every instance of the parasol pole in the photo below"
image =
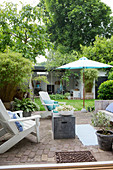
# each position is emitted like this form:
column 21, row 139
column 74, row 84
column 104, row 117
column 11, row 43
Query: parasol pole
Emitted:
column 83, row 89
column 83, row 110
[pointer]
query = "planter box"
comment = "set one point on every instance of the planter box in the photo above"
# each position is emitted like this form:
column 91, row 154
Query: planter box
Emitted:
column 63, row 126
column 89, row 95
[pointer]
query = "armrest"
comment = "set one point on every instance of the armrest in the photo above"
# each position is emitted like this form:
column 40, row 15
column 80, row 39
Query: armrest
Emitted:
column 15, row 112
column 25, row 118
column 20, row 112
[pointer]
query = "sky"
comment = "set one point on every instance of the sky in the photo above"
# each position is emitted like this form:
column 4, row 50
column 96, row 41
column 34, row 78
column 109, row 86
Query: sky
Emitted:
column 34, row 2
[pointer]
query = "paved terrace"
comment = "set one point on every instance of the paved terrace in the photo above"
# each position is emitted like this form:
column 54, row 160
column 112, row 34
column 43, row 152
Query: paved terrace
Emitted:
column 28, row 151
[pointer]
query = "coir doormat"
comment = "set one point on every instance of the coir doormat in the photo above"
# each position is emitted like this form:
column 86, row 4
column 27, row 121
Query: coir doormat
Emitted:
column 75, row 156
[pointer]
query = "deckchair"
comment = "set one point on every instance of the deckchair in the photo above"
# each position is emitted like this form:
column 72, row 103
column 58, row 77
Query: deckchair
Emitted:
column 44, row 96
column 9, row 126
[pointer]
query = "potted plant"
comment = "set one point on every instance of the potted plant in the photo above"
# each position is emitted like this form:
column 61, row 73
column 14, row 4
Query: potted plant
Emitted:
column 90, row 76
column 90, row 108
column 65, row 110
column 26, row 104
column 67, row 95
column 104, row 134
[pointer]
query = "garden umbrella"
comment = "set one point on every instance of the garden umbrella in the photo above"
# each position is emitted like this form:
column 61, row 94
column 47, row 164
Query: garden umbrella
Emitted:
column 84, row 63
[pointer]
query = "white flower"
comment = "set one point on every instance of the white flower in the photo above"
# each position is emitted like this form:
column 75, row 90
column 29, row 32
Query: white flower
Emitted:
column 64, row 108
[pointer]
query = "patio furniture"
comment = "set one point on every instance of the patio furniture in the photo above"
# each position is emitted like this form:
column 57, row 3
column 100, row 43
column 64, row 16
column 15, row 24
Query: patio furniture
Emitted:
column 101, row 105
column 63, row 126
column 48, row 103
column 10, row 125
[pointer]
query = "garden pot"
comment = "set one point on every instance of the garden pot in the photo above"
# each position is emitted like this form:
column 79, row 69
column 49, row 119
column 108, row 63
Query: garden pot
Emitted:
column 66, row 113
column 89, row 95
column 105, row 141
column 26, row 114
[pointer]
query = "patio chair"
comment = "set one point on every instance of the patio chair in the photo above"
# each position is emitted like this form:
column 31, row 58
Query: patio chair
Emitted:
column 9, row 125
column 48, row 104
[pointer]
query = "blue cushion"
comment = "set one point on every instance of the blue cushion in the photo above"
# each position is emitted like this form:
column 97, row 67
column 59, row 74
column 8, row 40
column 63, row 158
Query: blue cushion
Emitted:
column 51, row 107
column 18, row 124
column 110, row 107
column 55, row 111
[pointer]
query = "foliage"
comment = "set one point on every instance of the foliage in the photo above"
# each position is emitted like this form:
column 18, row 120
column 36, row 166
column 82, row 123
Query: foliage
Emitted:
column 101, row 120
column 66, row 95
column 90, row 108
column 64, row 108
column 41, row 78
column 14, row 72
column 90, row 76
column 57, row 96
column 27, row 105
column 101, row 50
column 57, row 58
column 110, row 76
column 72, row 23
column 106, row 90
column 22, row 31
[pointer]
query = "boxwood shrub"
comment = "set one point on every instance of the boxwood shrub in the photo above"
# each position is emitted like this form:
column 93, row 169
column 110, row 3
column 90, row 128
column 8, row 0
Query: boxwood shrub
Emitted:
column 106, row 90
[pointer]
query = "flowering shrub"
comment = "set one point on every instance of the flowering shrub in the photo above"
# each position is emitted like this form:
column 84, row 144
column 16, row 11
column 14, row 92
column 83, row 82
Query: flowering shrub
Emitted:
column 64, row 108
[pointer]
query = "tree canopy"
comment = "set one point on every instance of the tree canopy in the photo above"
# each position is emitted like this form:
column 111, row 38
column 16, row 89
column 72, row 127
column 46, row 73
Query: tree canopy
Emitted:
column 15, row 71
column 22, row 30
column 101, row 51
column 75, row 22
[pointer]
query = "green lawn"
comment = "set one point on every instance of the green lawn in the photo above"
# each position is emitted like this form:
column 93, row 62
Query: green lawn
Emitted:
column 77, row 104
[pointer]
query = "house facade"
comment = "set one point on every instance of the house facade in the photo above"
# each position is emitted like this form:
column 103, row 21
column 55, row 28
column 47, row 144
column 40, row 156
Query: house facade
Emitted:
column 74, row 87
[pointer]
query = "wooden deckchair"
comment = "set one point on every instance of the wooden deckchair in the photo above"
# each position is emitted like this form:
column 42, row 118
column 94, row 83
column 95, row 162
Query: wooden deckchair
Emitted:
column 9, row 126
column 45, row 96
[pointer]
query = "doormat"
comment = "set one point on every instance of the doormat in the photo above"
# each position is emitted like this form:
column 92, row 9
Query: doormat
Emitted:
column 75, row 156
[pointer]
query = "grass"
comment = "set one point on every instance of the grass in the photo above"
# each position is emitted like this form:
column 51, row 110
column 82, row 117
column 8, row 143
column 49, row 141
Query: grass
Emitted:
column 77, row 104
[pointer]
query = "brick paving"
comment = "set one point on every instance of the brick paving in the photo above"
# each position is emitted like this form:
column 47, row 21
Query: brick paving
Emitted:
column 27, row 151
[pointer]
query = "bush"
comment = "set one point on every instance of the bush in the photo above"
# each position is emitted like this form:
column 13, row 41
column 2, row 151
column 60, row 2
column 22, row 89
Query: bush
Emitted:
column 57, row 96
column 27, row 105
column 106, row 90
column 100, row 120
column 14, row 71
column 66, row 95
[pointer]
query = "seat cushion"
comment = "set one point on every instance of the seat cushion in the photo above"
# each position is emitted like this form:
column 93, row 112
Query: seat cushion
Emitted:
column 18, row 124
column 52, row 106
column 110, row 107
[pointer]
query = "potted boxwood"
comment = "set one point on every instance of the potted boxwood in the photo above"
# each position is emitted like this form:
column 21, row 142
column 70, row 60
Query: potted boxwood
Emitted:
column 26, row 104
column 104, row 134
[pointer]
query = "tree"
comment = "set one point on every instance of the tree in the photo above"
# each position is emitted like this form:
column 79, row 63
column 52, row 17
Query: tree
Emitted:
column 75, row 22
column 101, row 51
column 15, row 70
column 22, row 31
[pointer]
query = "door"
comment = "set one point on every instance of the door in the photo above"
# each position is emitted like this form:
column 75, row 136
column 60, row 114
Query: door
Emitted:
column 98, row 83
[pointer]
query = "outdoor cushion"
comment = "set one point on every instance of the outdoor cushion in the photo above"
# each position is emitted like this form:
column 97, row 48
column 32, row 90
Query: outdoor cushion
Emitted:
column 110, row 107
column 51, row 107
column 18, row 124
